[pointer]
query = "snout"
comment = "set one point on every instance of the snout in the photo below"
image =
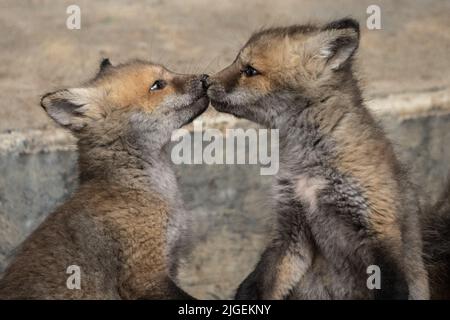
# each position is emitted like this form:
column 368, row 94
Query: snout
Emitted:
column 214, row 89
column 204, row 78
column 199, row 88
column 199, row 84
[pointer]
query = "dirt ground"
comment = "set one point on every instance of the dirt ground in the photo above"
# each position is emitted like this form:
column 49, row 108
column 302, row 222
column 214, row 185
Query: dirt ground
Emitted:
column 39, row 54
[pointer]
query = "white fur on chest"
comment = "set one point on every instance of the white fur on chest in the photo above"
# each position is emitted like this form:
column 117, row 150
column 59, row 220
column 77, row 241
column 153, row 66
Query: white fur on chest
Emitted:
column 307, row 190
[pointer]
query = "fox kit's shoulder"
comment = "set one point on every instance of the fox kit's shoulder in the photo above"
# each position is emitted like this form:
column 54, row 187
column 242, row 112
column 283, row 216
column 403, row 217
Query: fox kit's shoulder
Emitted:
column 121, row 227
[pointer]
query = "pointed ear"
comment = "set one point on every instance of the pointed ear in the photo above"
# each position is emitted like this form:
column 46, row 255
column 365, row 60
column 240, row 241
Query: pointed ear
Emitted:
column 105, row 65
column 73, row 108
column 337, row 42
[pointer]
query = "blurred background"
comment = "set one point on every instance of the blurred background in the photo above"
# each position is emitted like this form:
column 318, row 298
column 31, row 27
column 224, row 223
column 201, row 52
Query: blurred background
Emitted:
column 404, row 69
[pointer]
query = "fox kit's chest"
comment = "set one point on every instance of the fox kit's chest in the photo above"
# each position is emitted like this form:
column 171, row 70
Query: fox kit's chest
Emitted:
column 307, row 189
column 319, row 189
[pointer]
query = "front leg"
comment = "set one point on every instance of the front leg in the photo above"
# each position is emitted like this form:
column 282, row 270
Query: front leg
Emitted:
column 351, row 247
column 280, row 268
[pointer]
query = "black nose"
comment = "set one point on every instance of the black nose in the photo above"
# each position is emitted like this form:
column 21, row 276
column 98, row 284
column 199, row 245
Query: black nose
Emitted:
column 204, row 80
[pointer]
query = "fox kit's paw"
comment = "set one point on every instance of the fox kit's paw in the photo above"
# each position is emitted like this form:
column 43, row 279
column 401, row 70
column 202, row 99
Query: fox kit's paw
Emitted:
column 393, row 280
column 248, row 289
column 393, row 289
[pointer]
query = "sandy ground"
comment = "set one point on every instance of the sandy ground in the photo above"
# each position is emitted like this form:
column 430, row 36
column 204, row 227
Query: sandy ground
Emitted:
column 39, row 54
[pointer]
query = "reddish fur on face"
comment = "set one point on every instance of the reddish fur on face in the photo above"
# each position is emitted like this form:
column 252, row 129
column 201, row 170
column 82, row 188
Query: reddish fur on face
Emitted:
column 129, row 85
column 288, row 58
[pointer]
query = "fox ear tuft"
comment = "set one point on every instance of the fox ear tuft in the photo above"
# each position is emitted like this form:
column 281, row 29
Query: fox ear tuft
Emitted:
column 338, row 42
column 345, row 23
column 105, row 64
column 72, row 108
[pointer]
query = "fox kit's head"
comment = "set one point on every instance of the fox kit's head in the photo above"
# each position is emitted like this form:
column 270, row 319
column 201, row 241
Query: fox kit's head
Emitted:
column 281, row 70
column 134, row 98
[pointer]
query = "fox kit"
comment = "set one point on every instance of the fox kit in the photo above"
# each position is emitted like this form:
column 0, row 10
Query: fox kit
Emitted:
column 342, row 201
column 122, row 227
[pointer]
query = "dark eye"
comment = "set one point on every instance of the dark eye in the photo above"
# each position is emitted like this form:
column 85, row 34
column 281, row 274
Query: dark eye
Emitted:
column 249, row 71
column 158, row 85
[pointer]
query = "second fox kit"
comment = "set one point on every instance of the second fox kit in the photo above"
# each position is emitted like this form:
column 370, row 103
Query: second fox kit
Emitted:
column 341, row 197
column 123, row 226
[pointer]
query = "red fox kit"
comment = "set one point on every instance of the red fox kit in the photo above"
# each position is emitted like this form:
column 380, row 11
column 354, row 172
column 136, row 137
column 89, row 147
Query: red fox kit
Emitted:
column 122, row 227
column 342, row 200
